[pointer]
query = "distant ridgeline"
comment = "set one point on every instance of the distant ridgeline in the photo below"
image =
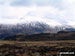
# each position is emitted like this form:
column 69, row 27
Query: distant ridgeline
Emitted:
column 36, row 31
column 61, row 35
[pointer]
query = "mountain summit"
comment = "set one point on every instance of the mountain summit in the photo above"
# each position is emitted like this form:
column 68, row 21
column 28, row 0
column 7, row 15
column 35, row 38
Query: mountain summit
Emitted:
column 27, row 27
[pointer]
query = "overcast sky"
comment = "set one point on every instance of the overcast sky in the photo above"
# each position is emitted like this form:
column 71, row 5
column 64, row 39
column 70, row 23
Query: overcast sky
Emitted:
column 59, row 11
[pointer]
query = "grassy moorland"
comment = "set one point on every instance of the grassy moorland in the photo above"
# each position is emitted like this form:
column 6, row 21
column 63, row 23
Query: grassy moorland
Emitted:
column 36, row 48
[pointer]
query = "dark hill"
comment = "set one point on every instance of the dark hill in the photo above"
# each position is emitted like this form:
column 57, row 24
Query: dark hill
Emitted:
column 62, row 35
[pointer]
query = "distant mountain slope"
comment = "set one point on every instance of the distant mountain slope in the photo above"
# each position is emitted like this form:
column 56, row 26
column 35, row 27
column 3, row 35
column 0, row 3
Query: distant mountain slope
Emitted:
column 62, row 35
column 7, row 30
column 31, row 28
column 70, row 29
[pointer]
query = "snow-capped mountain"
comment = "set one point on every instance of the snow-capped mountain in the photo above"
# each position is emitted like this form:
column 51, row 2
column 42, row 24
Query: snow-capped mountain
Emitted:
column 26, row 28
column 32, row 27
column 29, row 28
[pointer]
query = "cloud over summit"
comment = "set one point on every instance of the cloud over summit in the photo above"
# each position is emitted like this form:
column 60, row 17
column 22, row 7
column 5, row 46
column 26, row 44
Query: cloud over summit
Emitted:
column 60, row 11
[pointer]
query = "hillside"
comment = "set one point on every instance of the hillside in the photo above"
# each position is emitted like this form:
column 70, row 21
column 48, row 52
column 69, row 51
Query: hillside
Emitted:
column 62, row 35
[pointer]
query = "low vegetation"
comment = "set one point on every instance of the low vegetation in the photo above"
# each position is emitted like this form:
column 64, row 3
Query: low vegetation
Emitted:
column 36, row 48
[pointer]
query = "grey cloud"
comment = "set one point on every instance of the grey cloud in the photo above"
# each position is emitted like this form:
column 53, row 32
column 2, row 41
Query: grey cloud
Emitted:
column 1, row 3
column 21, row 3
column 55, row 3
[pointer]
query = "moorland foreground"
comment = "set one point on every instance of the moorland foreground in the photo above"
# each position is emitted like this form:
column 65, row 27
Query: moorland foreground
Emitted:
column 36, row 48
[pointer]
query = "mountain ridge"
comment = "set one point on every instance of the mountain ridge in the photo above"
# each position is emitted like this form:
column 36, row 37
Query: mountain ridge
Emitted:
column 7, row 30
